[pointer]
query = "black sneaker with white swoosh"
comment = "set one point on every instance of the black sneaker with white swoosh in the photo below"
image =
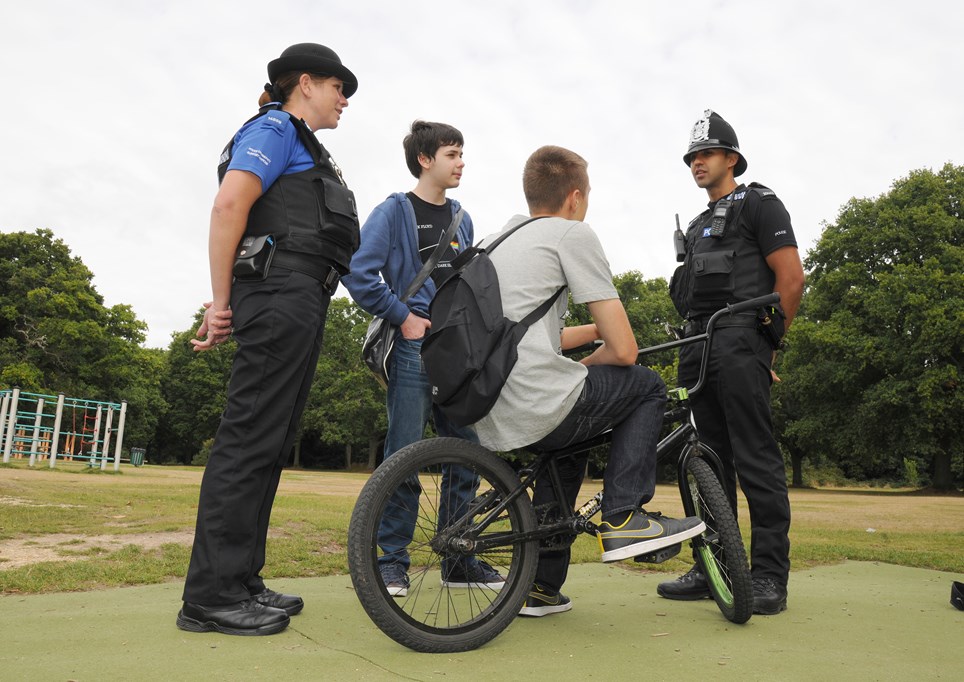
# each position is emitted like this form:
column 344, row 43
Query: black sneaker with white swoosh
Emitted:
column 642, row 532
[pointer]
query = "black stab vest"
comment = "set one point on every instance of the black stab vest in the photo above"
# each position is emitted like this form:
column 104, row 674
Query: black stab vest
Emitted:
column 311, row 212
column 727, row 265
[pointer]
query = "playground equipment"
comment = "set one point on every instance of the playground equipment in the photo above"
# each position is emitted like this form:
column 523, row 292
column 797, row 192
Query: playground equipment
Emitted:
column 77, row 429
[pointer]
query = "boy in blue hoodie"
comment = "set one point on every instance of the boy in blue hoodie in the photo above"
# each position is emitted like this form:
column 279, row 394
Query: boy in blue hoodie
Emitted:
column 398, row 238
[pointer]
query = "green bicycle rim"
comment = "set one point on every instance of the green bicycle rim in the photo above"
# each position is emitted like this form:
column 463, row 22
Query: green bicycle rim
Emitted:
column 713, row 576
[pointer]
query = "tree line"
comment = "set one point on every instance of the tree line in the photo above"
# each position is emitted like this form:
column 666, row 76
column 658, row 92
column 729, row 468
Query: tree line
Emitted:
column 870, row 382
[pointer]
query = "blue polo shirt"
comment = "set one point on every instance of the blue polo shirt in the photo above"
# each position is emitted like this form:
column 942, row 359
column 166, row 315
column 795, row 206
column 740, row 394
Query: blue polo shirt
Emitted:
column 269, row 147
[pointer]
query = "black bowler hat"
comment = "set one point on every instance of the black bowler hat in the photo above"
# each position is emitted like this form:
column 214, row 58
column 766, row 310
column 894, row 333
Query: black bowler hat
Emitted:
column 712, row 132
column 313, row 58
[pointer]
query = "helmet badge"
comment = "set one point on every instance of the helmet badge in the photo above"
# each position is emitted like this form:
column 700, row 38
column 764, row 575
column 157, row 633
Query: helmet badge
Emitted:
column 701, row 129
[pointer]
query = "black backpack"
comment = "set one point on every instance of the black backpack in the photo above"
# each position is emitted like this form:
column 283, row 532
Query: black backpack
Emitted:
column 472, row 346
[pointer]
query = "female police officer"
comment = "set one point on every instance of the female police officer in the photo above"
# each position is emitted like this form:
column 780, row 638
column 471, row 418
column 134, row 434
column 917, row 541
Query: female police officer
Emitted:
column 282, row 198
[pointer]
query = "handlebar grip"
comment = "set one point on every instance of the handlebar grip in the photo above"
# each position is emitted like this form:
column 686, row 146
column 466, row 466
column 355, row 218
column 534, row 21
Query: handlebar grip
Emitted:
column 769, row 299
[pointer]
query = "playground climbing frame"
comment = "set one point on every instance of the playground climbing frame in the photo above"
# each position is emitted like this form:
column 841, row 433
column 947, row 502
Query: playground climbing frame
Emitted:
column 47, row 427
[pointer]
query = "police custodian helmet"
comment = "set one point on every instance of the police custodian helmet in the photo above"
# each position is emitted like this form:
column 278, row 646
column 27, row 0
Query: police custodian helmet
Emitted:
column 313, row 58
column 712, row 132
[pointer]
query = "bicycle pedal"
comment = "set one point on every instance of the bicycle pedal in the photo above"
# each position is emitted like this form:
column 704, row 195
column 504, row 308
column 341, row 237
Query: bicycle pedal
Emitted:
column 659, row 556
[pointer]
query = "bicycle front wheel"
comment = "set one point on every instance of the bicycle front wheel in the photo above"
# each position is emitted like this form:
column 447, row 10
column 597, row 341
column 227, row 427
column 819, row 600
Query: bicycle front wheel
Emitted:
column 454, row 494
column 719, row 550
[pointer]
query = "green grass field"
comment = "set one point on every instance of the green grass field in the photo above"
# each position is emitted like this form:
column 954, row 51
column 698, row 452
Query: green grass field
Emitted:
column 69, row 529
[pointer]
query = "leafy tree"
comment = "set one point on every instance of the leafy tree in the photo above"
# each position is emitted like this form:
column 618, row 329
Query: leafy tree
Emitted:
column 874, row 369
column 650, row 310
column 57, row 336
column 346, row 406
column 194, row 386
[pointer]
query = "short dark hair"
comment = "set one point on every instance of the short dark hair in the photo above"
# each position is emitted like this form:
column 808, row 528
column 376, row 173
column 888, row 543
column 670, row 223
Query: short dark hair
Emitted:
column 550, row 174
column 425, row 138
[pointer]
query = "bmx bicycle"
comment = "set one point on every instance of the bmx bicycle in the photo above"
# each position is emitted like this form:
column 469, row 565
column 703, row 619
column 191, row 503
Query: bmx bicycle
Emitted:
column 500, row 526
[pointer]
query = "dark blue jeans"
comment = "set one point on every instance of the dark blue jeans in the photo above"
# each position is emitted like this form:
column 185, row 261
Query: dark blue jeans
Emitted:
column 409, row 409
column 630, row 401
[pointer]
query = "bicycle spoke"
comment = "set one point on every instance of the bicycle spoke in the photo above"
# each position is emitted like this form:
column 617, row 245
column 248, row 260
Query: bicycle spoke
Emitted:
column 449, row 495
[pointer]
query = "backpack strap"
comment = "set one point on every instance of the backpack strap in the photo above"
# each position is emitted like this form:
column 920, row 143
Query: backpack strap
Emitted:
column 508, row 233
column 537, row 314
column 434, row 258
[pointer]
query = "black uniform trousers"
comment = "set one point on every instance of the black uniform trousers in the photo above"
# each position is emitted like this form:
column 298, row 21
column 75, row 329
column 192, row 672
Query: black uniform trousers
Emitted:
column 278, row 326
column 733, row 417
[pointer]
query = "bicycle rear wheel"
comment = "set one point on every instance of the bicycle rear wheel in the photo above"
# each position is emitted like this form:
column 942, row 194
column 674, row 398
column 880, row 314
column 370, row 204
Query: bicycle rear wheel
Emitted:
column 719, row 550
column 434, row 617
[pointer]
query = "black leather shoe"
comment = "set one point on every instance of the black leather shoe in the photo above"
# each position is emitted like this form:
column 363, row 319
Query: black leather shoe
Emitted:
column 288, row 603
column 249, row 617
column 690, row 586
column 769, row 597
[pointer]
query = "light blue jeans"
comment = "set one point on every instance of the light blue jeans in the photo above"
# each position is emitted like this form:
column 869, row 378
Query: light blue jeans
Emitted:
column 409, row 409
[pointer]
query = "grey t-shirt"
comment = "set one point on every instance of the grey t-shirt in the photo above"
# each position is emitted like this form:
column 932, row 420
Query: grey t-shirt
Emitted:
column 532, row 264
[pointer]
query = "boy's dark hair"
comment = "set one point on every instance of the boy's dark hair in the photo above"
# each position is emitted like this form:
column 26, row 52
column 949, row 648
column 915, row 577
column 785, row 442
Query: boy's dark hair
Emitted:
column 426, row 138
column 550, row 174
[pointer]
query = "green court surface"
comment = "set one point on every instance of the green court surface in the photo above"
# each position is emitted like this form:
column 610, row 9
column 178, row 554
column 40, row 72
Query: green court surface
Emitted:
column 853, row 621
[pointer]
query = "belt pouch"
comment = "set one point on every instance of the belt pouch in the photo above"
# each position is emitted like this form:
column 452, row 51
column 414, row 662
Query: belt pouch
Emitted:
column 253, row 259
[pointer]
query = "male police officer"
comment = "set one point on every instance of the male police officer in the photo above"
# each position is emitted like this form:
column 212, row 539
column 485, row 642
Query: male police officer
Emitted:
column 741, row 247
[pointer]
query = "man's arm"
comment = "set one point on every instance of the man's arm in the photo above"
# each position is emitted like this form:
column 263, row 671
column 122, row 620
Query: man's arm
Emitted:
column 619, row 345
column 580, row 335
column 786, row 266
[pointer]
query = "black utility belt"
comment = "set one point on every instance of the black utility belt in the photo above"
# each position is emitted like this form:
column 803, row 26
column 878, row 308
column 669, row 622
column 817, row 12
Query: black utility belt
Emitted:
column 698, row 325
column 313, row 266
column 257, row 255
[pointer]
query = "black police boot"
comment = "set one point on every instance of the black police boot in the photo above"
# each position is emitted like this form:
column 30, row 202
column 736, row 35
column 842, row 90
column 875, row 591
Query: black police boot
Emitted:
column 289, row 603
column 769, row 597
column 690, row 586
column 249, row 617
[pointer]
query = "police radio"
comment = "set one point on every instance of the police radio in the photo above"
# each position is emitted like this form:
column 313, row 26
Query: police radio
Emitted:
column 679, row 239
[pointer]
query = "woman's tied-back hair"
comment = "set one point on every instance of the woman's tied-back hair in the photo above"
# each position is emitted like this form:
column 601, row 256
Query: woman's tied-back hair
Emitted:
column 425, row 138
column 280, row 90
column 550, row 174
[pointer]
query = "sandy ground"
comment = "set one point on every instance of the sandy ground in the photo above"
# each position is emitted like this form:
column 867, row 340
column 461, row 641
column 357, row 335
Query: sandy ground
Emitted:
column 68, row 547
column 23, row 551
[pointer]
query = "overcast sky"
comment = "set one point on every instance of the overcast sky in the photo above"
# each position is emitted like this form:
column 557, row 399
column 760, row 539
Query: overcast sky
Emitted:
column 116, row 112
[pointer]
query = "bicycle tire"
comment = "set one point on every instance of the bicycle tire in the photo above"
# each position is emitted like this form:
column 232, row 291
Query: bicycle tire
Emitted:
column 433, row 617
column 719, row 550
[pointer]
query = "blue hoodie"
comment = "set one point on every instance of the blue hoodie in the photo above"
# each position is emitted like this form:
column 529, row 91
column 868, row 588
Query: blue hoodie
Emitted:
column 388, row 260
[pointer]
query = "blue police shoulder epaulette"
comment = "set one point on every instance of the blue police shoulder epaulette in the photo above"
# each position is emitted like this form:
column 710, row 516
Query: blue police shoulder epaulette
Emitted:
column 276, row 120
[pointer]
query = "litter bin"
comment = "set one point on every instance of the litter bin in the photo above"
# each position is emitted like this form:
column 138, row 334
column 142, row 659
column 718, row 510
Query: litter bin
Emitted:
column 137, row 456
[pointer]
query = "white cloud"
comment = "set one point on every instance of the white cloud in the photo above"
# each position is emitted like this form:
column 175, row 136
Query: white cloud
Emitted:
column 118, row 111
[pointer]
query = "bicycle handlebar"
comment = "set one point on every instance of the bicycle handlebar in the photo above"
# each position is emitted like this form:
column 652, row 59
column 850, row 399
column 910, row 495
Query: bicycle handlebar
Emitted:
column 758, row 302
column 730, row 309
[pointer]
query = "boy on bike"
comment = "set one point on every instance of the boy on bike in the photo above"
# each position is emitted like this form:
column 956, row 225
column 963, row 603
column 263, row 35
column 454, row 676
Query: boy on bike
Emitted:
column 550, row 401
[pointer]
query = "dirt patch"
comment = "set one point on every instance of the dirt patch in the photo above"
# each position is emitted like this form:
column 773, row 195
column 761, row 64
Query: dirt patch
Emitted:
column 65, row 547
